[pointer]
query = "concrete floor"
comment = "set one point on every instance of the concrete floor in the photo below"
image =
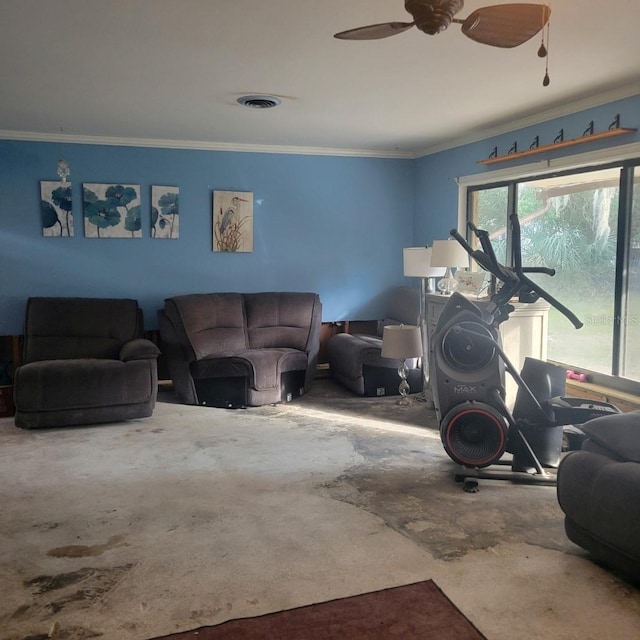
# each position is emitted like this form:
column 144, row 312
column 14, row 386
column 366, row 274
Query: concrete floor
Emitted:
column 198, row 515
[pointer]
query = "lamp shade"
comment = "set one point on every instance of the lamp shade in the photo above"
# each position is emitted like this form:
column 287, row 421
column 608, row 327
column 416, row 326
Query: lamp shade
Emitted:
column 417, row 263
column 449, row 253
column 401, row 341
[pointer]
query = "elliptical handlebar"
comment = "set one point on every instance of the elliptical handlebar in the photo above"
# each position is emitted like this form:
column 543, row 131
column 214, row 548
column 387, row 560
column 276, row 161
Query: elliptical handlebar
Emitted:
column 513, row 278
column 517, row 256
column 487, row 262
column 545, row 270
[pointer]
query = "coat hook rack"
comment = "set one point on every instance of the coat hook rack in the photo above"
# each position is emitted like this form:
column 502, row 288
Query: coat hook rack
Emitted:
column 589, row 135
column 589, row 130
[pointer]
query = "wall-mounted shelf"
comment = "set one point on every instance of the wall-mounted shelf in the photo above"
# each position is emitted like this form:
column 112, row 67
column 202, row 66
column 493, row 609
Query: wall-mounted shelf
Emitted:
column 611, row 133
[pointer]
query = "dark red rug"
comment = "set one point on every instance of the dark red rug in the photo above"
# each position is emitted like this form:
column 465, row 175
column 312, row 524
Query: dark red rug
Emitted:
column 413, row 611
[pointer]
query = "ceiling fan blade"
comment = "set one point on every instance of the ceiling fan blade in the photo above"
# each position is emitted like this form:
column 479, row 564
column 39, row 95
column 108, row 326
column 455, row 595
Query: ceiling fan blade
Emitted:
column 506, row 25
column 374, row 31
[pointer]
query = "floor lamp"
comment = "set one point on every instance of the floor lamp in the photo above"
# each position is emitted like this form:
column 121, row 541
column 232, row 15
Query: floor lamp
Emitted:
column 417, row 264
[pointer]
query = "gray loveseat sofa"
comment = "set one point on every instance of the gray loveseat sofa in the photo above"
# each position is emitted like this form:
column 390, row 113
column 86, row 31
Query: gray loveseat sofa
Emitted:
column 599, row 492
column 85, row 361
column 241, row 349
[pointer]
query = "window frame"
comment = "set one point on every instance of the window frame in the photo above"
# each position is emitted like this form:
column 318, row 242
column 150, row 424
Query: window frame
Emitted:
column 624, row 157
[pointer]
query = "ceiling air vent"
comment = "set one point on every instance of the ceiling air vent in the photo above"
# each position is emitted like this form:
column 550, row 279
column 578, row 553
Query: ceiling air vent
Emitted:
column 259, row 102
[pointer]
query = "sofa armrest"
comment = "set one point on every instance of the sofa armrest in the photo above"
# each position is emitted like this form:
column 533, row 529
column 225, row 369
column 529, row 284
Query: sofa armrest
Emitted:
column 616, row 435
column 138, row 349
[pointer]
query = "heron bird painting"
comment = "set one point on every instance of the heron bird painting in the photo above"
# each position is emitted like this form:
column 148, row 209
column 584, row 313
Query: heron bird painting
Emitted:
column 233, row 221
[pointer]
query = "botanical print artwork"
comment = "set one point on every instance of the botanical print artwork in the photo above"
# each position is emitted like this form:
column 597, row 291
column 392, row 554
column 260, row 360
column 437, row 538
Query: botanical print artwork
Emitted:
column 165, row 212
column 55, row 209
column 111, row 210
column 233, row 221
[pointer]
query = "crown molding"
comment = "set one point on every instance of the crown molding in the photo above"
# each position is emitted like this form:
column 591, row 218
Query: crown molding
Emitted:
column 619, row 93
column 31, row 136
column 597, row 100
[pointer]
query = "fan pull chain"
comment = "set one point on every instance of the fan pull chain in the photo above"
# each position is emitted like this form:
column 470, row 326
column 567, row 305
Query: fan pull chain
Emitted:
column 543, row 51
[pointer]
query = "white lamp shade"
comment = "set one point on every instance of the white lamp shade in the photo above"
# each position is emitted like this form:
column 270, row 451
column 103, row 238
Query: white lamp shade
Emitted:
column 401, row 341
column 417, row 263
column 449, row 253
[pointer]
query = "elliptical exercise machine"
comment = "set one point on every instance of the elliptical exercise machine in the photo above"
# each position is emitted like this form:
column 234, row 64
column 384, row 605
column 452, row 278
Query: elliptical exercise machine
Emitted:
column 467, row 370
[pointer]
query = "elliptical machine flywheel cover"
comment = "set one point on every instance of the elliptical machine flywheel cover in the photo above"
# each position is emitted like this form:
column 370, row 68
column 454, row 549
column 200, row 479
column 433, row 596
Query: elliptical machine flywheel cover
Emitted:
column 465, row 351
column 474, row 434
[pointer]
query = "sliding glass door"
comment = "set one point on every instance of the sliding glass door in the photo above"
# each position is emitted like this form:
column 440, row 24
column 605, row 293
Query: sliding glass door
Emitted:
column 569, row 223
column 630, row 364
column 586, row 226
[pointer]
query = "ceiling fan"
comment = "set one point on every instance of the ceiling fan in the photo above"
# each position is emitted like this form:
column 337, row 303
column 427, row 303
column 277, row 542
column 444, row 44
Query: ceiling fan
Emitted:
column 503, row 25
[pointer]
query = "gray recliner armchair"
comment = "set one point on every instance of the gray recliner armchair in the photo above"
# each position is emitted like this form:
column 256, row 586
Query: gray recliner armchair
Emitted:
column 85, row 361
column 599, row 492
column 355, row 360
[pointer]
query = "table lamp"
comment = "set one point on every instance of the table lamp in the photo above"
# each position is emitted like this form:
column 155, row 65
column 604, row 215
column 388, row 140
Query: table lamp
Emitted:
column 449, row 254
column 402, row 341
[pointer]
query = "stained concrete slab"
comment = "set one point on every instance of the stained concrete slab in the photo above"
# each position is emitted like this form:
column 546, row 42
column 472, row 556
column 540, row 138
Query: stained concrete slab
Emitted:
column 198, row 515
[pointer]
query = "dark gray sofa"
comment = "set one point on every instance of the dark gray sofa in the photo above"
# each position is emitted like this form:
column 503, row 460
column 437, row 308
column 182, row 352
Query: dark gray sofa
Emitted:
column 241, row 349
column 599, row 492
column 355, row 360
column 84, row 362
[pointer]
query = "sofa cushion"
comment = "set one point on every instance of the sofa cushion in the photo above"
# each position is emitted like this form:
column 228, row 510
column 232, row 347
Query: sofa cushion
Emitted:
column 279, row 319
column 269, row 364
column 263, row 367
column 70, row 384
column 213, row 323
column 617, row 435
column 67, row 328
column 220, row 367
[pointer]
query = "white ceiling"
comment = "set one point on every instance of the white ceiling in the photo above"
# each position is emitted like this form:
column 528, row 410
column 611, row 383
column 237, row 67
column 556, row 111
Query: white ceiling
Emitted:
column 171, row 70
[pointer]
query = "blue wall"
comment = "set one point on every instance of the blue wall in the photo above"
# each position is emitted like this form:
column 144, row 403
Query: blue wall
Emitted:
column 437, row 190
column 333, row 225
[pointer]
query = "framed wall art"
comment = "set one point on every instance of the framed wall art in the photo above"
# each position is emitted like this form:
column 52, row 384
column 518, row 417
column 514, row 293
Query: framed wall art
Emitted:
column 233, row 221
column 56, row 209
column 165, row 212
column 111, row 210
